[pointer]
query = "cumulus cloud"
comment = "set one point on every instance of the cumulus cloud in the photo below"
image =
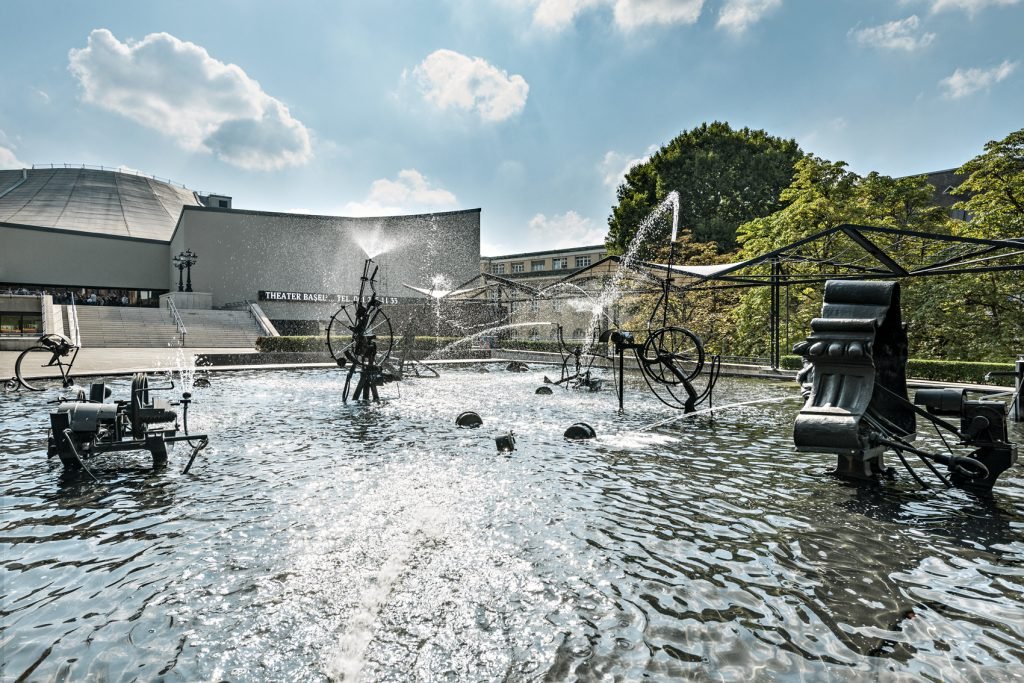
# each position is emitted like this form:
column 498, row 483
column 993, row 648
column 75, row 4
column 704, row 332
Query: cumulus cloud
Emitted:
column 8, row 159
column 177, row 88
column 411, row 192
column 628, row 14
column 972, row 7
column 966, row 82
column 736, row 16
column 450, row 80
column 615, row 165
column 566, row 230
column 902, row 34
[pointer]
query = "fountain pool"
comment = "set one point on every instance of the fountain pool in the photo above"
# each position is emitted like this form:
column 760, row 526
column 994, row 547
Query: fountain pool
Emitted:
column 321, row 541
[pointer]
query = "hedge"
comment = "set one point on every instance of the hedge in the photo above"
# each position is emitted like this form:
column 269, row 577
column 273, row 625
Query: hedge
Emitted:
column 298, row 344
column 938, row 370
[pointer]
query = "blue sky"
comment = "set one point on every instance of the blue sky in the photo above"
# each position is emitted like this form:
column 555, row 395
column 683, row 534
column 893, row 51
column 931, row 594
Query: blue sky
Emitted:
column 529, row 109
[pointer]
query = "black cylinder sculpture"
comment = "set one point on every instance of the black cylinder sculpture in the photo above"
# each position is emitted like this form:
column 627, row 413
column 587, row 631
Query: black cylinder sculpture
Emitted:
column 469, row 419
column 580, row 431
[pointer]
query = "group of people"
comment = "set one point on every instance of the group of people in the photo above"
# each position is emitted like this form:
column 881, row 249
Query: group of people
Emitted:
column 82, row 296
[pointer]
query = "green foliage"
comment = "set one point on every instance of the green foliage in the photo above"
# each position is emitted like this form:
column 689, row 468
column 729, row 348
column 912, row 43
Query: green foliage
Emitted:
column 938, row 370
column 995, row 189
column 310, row 344
column 724, row 178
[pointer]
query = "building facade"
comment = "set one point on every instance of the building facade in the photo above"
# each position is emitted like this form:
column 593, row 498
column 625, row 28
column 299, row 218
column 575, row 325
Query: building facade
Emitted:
column 109, row 237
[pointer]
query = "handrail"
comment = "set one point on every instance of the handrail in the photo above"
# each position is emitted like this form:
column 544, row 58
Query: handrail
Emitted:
column 177, row 318
column 75, row 333
column 262, row 320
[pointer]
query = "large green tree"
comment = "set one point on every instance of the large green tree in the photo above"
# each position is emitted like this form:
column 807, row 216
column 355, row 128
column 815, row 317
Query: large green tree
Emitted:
column 724, row 178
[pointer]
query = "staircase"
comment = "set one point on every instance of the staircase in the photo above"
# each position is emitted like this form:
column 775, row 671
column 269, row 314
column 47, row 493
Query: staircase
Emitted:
column 126, row 327
column 206, row 329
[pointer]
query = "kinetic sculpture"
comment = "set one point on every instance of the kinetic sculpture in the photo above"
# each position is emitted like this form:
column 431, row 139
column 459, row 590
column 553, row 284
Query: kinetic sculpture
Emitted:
column 359, row 335
column 854, row 382
column 576, row 376
column 83, row 428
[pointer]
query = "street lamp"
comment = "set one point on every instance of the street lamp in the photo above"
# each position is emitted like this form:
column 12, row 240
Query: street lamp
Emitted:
column 184, row 261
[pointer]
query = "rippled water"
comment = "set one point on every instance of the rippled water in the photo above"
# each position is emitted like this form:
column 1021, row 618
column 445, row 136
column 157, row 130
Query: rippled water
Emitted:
column 315, row 540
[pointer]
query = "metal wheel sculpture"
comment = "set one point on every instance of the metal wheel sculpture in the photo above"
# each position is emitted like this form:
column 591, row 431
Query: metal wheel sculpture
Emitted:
column 575, row 370
column 50, row 351
column 360, row 336
column 672, row 355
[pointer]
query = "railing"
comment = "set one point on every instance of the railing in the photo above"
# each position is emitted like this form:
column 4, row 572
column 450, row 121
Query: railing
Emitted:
column 74, row 333
column 126, row 171
column 262, row 320
column 177, row 318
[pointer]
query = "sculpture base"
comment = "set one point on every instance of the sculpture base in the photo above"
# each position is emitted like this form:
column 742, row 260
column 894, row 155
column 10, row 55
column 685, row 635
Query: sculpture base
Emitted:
column 865, row 465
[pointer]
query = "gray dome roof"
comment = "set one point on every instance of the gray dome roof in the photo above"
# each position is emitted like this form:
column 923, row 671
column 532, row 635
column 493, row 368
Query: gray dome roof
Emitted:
column 90, row 200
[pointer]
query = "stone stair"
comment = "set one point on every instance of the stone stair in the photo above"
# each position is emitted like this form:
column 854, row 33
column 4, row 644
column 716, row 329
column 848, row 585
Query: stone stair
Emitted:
column 209, row 329
column 127, row 327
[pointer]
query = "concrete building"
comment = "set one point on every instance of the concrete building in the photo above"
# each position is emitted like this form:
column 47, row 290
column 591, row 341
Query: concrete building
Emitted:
column 540, row 270
column 112, row 236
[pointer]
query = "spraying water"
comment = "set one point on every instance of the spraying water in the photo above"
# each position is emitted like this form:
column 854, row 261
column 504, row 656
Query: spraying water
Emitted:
column 442, row 353
column 611, row 292
column 374, row 243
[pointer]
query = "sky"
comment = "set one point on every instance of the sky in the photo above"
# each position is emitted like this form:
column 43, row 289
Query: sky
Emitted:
column 531, row 110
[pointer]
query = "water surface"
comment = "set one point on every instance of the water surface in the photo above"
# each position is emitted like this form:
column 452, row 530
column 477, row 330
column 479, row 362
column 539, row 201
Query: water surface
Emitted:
column 315, row 540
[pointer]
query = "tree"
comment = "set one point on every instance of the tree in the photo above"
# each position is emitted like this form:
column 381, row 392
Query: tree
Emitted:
column 825, row 195
column 724, row 178
column 995, row 189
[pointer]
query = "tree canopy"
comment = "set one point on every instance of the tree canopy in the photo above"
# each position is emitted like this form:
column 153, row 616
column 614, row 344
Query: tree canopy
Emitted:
column 724, row 178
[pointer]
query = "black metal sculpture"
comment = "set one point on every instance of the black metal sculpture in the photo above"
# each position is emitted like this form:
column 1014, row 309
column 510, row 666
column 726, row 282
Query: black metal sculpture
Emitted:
column 52, row 347
column 576, row 372
column 854, row 382
column 85, row 427
column 359, row 335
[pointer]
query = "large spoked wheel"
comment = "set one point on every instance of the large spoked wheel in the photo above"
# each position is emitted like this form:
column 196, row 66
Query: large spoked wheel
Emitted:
column 672, row 354
column 339, row 333
column 30, row 362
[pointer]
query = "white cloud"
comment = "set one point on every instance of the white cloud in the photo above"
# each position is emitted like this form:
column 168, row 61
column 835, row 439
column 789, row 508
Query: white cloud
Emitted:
column 972, row 7
column 628, row 14
column 411, row 192
column 631, row 14
column 966, row 82
column 737, row 16
column 564, row 231
column 450, row 80
column 615, row 165
column 894, row 35
column 177, row 88
column 9, row 160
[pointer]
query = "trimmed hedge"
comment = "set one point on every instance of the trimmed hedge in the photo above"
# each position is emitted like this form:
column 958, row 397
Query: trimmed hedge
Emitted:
column 938, row 370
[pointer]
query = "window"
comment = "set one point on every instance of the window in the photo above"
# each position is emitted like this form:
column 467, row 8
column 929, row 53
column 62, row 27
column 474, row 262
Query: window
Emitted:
column 534, row 334
column 556, row 305
column 497, row 269
column 559, row 263
column 537, row 266
column 534, row 305
column 582, row 261
column 518, row 268
column 17, row 323
column 578, row 333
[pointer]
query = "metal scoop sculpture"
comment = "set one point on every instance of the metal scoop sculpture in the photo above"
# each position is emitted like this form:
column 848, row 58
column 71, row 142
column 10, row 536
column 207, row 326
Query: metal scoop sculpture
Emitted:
column 854, row 382
column 360, row 337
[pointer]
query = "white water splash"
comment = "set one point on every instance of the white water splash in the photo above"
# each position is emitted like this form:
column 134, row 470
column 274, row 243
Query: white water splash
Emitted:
column 442, row 353
column 613, row 289
column 374, row 243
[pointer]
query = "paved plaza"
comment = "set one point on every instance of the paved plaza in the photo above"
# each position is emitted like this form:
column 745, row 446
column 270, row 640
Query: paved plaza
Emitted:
column 99, row 361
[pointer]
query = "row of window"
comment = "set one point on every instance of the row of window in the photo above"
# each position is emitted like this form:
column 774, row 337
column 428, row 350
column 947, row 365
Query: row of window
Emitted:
column 19, row 324
column 560, row 263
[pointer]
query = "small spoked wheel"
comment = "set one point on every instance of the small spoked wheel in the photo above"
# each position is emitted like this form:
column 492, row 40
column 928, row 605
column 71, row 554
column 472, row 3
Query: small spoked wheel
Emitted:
column 672, row 355
column 340, row 327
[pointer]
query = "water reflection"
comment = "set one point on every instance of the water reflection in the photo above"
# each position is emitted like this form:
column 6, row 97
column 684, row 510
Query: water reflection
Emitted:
column 318, row 540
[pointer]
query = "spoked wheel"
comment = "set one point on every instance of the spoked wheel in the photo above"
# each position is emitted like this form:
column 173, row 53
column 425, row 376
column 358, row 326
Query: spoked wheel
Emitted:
column 339, row 333
column 672, row 354
column 31, row 361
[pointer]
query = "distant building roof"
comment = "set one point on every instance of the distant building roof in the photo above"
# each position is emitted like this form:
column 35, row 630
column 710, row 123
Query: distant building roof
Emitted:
column 92, row 200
